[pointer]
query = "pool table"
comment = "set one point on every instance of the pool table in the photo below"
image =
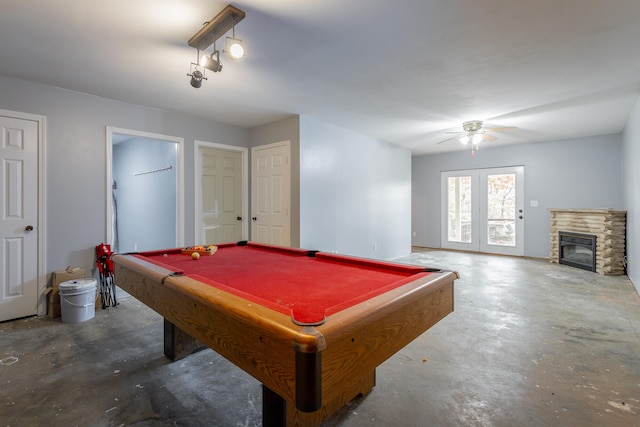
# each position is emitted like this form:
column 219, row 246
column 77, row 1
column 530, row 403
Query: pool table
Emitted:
column 310, row 326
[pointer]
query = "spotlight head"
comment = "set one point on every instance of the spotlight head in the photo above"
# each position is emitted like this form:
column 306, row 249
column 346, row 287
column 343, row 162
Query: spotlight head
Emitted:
column 234, row 49
column 211, row 62
column 196, row 79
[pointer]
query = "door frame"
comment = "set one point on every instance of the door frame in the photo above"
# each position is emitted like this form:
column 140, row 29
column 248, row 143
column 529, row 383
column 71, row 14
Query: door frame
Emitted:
column 197, row 172
column 110, row 130
column 41, row 264
column 478, row 185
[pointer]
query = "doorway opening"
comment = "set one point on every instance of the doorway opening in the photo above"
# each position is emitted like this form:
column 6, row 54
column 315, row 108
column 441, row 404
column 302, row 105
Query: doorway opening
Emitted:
column 144, row 191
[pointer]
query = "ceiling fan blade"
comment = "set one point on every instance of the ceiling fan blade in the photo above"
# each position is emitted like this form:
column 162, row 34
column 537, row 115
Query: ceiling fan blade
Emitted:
column 488, row 138
column 447, row 140
column 500, row 129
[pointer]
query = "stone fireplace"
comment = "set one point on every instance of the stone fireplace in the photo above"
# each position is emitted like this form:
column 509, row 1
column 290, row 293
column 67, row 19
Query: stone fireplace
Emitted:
column 592, row 239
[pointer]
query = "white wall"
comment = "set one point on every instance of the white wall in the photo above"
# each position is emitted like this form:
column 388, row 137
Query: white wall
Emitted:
column 355, row 193
column 575, row 173
column 631, row 180
column 76, row 163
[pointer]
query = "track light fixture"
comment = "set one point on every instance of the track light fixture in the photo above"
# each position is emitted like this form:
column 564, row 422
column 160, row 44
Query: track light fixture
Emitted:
column 196, row 75
column 211, row 62
column 196, row 79
column 208, row 34
column 234, row 49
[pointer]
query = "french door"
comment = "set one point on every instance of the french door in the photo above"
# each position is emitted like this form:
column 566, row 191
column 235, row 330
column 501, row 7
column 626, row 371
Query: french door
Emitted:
column 483, row 210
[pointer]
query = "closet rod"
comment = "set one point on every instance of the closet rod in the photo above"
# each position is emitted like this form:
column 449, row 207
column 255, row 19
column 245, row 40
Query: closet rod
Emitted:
column 164, row 168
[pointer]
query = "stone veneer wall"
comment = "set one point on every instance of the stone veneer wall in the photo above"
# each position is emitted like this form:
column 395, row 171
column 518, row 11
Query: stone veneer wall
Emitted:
column 609, row 227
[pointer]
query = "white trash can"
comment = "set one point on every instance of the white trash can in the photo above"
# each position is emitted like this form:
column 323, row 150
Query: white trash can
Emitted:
column 78, row 300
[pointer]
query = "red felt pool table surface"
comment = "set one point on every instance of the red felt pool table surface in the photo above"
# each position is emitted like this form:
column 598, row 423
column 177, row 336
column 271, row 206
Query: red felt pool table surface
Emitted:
column 306, row 285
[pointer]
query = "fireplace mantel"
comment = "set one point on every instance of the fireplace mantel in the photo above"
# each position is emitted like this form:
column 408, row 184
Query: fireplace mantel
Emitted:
column 609, row 227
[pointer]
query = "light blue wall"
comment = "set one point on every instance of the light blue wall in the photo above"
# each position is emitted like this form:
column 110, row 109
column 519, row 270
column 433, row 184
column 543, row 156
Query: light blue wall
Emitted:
column 355, row 193
column 76, row 160
column 145, row 202
column 372, row 210
column 631, row 171
column 348, row 192
column 575, row 173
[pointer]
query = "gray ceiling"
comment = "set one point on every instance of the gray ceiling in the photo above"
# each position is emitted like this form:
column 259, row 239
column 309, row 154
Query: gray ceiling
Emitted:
column 402, row 71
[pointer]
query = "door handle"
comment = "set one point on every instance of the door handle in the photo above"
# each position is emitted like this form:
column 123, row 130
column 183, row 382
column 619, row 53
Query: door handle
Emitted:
column 254, row 219
column 28, row 228
column 239, row 218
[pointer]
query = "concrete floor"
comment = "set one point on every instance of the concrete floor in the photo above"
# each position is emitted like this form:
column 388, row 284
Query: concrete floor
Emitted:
column 530, row 344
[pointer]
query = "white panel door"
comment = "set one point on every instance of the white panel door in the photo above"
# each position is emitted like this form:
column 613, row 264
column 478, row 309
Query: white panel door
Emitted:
column 271, row 176
column 483, row 210
column 221, row 196
column 19, row 218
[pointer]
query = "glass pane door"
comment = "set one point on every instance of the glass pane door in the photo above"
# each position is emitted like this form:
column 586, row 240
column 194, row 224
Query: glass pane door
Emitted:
column 501, row 205
column 482, row 210
column 501, row 210
column 459, row 209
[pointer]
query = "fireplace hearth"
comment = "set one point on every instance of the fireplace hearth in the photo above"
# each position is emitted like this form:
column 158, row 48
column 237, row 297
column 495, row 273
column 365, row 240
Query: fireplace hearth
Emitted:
column 577, row 250
column 608, row 250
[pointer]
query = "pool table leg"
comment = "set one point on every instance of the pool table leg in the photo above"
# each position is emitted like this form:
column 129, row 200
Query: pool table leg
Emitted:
column 277, row 412
column 178, row 344
column 274, row 409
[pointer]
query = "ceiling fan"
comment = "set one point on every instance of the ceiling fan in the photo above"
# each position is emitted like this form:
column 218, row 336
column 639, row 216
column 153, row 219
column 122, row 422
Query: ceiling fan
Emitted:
column 473, row 132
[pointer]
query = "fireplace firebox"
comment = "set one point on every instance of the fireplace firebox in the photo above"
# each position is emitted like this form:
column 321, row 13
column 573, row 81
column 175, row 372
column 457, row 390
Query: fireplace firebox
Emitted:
column 577, row 250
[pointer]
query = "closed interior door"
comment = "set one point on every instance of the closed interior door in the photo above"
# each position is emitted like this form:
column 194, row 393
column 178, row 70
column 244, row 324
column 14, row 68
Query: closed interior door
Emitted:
column 483, row 210
column 221, row 206
column 270, row 186
column 19, row 221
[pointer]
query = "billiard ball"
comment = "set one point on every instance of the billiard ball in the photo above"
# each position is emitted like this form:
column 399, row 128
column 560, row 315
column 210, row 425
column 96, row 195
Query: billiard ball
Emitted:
column 195, row 255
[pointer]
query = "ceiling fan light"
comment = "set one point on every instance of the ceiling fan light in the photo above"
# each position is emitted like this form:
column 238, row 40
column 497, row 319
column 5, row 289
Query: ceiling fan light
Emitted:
column 465, row 139
column 476, row 138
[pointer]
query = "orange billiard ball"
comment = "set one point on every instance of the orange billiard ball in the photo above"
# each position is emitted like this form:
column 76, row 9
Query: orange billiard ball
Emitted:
column 195, row 255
